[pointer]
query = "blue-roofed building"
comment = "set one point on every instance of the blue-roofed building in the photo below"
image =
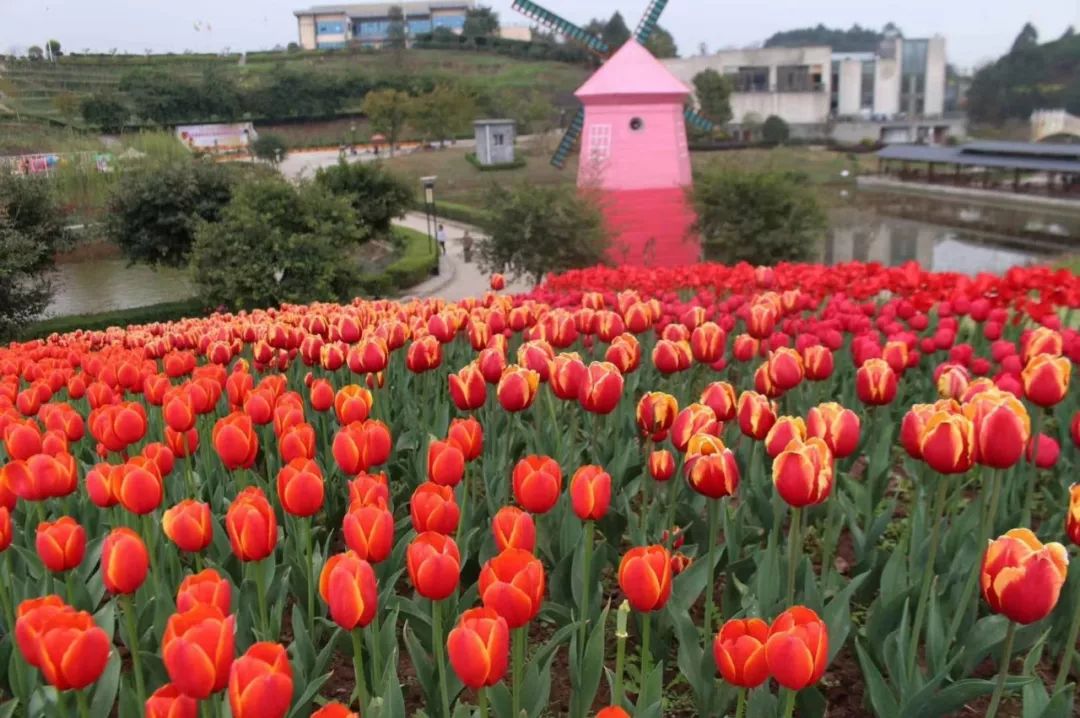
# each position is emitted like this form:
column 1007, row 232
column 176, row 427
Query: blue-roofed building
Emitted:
column 326, row 27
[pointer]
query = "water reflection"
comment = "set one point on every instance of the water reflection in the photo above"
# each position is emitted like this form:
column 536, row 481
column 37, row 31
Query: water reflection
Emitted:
column 100, row 285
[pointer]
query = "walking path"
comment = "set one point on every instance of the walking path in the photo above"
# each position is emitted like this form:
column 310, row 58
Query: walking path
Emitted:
column 457, row 279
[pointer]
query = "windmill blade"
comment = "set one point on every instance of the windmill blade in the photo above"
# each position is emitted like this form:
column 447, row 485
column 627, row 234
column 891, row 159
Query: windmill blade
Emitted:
column 702, row 123
column 573, row 132
column 561, row 25
column 649, row 20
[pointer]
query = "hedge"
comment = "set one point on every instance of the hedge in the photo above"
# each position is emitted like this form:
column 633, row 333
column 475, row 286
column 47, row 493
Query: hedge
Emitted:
column 517, row 164
column 164, row 312
column 463, row 213
column 412, row 268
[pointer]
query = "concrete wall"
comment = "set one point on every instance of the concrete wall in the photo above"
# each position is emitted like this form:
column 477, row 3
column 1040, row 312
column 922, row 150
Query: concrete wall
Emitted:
column 794, row 107
column 516, row 32
column 935, row 77
column 616, row 157
column 887, row 79
column 850, row 90
column 306, row 28
column 487, row 151
column 855, row 131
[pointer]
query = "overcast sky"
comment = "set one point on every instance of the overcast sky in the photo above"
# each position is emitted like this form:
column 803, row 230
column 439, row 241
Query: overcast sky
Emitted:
column 975, row 30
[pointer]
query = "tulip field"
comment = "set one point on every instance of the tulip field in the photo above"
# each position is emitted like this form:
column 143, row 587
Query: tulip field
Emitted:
column 707, row 491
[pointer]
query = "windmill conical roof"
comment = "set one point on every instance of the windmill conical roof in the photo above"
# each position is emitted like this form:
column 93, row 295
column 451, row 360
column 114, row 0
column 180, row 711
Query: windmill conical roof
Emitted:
column 632, row 71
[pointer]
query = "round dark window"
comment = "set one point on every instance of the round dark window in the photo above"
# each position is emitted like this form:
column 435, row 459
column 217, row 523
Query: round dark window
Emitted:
column 637, row 124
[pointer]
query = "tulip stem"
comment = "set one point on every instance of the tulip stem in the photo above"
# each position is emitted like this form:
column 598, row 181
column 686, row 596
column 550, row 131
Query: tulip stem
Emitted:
column 1003, row 671
column 620, row 652
column 482, row 703
column 1029, row 485
column 740, row 711
column 789, row 711
column 128, row 609
column 549, row 399
column 833, row 525
column 519, row 638
column 710, row 581
column 936, row 509
column 439, row 643
column 590, row 530
column 260, row 595
column 358, row 669
column 646, row 655
column 673, row 501
column 84, row 706
column 794, row 546
column 190, row 478
column 151, row 545
column 986, row 529
column 309, row 566
column 5, row 597
column 1070, row 648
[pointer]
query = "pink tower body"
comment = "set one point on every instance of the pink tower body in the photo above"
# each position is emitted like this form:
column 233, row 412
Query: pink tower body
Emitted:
column 634, row 153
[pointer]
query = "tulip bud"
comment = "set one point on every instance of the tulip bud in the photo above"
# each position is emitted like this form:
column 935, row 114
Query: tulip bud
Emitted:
column 783, row 432
column 206, row 587
column 433, row 509
column 517, row 388
column 261, row 683
column 468, row 436
column 434, row 565
column 947, row 443
column 1021, row 578
column 756, row 415
column 445, row 463
column 235, row 441
column 369, row 532
column 197, row 650
column 251, row 525
column 189, row 524
column 1072, row 516
column 61, row 544
column 169, row 702
column 720, row 397
column 124, row 561
column 818, row 362
column 661, row 465
column 656, row 413
column 1046, row 379
column 875, row 382
column 601, row 388
column 803, row 473
column 837, row 426
column 691, row 421
column 710, row 467
column 300, row 488
column 468, row 390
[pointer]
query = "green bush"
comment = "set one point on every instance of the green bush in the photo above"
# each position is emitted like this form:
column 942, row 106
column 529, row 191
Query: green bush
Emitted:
column 154, row 210
column 456, row 212
column 377, row 197
column 517, row 164
column 413, row 267
column 269, row 148
column 31, row 232
column 775, row 131
column 757, row 217
column 277, row 242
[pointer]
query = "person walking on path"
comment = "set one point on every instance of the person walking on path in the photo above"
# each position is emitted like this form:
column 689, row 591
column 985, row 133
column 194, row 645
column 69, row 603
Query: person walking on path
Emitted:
column 440, row 236
column 467, row 245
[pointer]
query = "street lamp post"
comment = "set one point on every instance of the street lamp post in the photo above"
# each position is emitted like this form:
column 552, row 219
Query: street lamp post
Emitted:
column 352, row 137
column 431, row 216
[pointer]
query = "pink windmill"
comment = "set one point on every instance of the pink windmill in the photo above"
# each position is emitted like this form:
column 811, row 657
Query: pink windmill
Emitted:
column 634, row 152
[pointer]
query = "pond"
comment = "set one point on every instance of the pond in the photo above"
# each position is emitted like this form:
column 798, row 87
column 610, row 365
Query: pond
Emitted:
column 101, row 285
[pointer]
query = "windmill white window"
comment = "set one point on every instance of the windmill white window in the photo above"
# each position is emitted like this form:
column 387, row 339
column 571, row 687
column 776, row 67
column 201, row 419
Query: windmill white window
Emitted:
column 599, row 143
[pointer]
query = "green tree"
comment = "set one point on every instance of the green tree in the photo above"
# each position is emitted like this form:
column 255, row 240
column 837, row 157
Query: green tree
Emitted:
column 31, row 232
column 105, row 111
column 757, row 217
column 53, row 48
column 615, row 32
column 288, row 92
column 153, row 211
column 445, row 112
column 854, row 39
column 1027, row 39
column 269, row 148
column 277, row 242
column 219, row 95
column 388, row 111
column 713, row 92
column 775, row 131
column 396, row 32
column 161, row 96
column 377, row 196
column 661, row 44
column 35, row 53
column 481, row 22
column 534, row 230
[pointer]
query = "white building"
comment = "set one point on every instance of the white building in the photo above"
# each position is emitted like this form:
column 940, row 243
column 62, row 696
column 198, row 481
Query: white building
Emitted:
column 329, row 27
column 896, row 94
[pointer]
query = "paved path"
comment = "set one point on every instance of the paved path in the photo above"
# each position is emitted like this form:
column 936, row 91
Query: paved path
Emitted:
column 457, row 279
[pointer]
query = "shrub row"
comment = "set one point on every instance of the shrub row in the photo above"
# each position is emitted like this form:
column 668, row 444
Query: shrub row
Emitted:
column 517, row 164
column 412, row 268
column 164, row 312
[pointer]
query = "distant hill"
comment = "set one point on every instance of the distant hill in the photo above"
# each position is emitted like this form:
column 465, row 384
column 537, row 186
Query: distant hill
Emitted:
column 854, row 39
column 1030, row 77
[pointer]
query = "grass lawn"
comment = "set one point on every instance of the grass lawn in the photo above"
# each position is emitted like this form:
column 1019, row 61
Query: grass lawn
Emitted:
column 461, row 183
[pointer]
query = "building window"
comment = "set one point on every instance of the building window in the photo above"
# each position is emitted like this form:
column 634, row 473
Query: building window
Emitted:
column 794, row 78
column 752, row 79
column 637, row 124
column 599, row 143
column 499, row 139
column 913, row 78
column 866, row 95
column 330, row 28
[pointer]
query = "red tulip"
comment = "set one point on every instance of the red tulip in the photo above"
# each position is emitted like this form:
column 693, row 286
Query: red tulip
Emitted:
column 797, row 650
column 691, row 421
column 756, row 415
column 645, row 577
column 513, row 528
column 803, row 473
column 1021, row 578
column 169, row 702
column 656, row 413
column 445, row 463
column 479, row 647
column 710, row 467
column 601, row 388
column 190, row 525
column 235, row 441
column 434, row 565
column 783, row 432
column 512, row 583
column 838, row 427
column 720, row 397
column 661, row 465
column 124, row 561
column 468, row 390
column 251, row 525
column 334, row 710
column 61, row 544
column 433, row 508
column 537, row 483
column 361, row 446
column 261, row 683
column 66, row 645
column 369, row 532
column 197, row 650
column 590, row 493
column 875, row 382
column 1046, row 379
column 206, row 587
column 347, row 585
column 352, row 403
column 468, row 436
column 739, row 652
